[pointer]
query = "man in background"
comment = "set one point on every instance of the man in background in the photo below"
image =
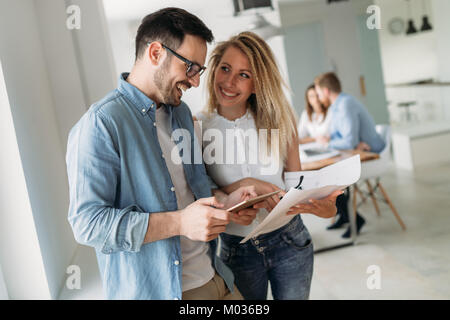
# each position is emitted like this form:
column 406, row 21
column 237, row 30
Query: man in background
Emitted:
column 351, row 127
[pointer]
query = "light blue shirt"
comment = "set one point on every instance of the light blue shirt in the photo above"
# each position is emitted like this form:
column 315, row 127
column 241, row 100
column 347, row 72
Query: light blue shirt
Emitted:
column 350, row 124
column 117, row 177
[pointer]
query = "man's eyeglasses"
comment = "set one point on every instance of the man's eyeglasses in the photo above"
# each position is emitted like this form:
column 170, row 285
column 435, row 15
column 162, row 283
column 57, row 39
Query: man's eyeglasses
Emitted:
column 192, row 67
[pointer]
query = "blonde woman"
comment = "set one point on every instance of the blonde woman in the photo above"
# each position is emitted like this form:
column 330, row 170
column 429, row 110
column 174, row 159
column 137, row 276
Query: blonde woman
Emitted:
column 245, row 97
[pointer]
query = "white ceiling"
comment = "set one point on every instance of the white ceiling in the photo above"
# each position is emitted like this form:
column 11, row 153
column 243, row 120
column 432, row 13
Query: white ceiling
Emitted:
column 136, row 9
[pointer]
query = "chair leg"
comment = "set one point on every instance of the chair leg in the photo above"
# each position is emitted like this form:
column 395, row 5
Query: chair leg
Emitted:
column 400, row 221
column 375, row 204
column 353, row 214
column 363, row 199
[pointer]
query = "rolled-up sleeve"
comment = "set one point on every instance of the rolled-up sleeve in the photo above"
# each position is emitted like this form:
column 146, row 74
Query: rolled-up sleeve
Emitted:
column 93, row 165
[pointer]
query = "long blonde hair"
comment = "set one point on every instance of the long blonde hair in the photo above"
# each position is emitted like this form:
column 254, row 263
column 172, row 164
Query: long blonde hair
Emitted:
column 268, row 104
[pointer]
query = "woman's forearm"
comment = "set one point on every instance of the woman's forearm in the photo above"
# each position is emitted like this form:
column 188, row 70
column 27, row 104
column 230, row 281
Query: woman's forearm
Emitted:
column 306, row 140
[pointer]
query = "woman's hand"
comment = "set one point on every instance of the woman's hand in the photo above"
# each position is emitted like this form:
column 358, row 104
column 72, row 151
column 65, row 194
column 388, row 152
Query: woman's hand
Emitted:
column 324, row 208
column 263, row 187
column 245, row 216
column 237, row 196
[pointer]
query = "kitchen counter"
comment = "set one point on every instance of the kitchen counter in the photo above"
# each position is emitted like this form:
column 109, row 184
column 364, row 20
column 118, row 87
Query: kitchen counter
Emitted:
column 424, row 144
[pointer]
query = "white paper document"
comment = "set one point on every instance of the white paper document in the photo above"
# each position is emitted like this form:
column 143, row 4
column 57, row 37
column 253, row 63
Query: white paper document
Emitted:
column 316, row 184
column 314, row 151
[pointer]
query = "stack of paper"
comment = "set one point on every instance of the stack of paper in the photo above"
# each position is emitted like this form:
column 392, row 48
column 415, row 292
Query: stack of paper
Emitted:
column 316, row 184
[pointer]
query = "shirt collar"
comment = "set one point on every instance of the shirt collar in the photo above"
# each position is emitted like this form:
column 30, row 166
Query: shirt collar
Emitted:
column 140, row 101
column 336, row 102
column 246, row 116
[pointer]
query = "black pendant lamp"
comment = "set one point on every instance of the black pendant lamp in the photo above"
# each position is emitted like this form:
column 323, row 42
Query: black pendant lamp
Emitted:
column 426, row 26
column 411, row 28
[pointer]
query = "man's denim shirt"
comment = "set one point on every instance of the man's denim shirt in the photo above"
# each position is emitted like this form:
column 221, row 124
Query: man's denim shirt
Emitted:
column 117, row 177
column 351, row 123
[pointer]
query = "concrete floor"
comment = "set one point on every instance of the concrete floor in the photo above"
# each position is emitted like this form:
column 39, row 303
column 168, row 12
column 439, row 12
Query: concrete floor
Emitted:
column 412, row 264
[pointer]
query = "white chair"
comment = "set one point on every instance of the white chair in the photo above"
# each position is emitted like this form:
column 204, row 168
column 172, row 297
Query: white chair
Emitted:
column 373, row 170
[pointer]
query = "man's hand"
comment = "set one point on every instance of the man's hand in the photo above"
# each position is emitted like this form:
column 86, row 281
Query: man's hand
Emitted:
column 324, row 208
column 363, row 146
column 203, row 220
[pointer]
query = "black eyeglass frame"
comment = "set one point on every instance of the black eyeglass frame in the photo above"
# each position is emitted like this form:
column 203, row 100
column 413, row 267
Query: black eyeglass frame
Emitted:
column 190, row 64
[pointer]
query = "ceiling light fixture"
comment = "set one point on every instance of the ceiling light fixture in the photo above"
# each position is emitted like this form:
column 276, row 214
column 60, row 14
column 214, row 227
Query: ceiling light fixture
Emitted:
column 264, row 28
column 411, row 28
column 426, row 26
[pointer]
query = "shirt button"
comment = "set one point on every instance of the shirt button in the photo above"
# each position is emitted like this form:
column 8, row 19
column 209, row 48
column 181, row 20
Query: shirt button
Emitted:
column 154, row 124
column 172, row 189
column 143, row 110
column 260, row 249
column 162, row 155
column 177, row 262
column 256, row 242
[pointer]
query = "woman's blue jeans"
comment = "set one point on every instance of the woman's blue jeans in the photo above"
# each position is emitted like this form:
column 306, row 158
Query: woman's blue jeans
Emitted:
column 284, row 257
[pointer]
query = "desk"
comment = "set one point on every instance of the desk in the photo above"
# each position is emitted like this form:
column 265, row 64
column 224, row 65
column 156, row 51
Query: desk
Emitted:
column 344, row 154
column 319, row 164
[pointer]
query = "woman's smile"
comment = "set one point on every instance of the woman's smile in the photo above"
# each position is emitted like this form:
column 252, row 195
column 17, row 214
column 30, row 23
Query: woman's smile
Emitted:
column 227, row 93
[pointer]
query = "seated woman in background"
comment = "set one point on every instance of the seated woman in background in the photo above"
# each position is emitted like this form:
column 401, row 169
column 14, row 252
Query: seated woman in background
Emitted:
column 315, row 120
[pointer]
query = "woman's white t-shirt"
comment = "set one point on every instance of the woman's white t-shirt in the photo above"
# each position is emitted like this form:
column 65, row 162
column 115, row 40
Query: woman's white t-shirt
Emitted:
column 317, row 126
column 229, row 152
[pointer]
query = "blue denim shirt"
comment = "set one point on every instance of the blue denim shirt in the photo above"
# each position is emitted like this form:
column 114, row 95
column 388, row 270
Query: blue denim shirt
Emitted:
column 117, row 177
column 350, row 124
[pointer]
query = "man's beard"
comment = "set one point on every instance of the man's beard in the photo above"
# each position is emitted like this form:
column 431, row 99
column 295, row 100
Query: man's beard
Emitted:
column 163, row 84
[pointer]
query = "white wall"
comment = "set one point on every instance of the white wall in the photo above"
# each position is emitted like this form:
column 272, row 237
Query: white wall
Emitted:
column 441, row 9
column 340, row 36
column 65, row 81
column 417, row 57
column 3, row 291
column 124, row 18
column 20, row 254
column 38, row 138
column 407, row 58
column 94, row 51
column 52, row 75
